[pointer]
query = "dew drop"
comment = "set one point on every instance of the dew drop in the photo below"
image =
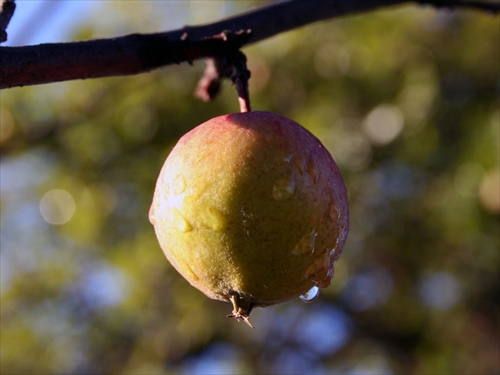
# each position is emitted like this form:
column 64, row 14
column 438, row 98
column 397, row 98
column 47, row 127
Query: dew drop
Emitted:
column 180, row 222
column 179, row 184
column 333, row 259
column 319, row 275
column 323, row 277
column 311, row 295
column 334, row 168
column 188, row 271
column 284, row 188
column 152, row 218
column 334, row 212
column 312, row 242
column 299, row 162
column 246, row 221
column 166, row 188
column 326, row 282
column 213, row 219
column 312, row 169
column 307, row 244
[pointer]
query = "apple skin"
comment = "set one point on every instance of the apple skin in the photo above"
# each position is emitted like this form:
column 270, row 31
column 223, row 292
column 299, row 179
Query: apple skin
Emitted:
column 251, row 208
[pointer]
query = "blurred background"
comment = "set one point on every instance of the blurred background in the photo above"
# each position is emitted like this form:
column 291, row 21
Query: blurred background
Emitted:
column 407, row 101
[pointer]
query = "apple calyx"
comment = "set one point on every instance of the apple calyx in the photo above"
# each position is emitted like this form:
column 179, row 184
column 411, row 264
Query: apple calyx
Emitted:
column 242, row 306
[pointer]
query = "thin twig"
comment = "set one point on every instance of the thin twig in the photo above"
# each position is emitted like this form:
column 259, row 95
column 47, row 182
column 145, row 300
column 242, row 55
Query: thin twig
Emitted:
column 240, row 76
column 222, row 66
column 216, row 69
column 232, row 65
column 6, row 13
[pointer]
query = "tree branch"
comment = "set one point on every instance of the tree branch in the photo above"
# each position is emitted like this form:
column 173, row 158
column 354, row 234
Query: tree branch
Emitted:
column 487, row 6
column 138, row 53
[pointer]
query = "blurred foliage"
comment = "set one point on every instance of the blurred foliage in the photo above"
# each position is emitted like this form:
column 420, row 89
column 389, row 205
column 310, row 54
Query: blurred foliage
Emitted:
column 406, row 99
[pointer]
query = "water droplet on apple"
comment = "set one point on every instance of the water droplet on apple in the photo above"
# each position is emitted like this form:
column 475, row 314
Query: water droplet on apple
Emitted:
column 213, row 218
column 332, row 261
column 307, row 244
column 300, row 163
column 312, row 169
column 179, row 184
column 180, row 222
column 334, row 212
column 319, row 275
column 325, row 283
column 311, row 295
column 152, row 218
column 166, row 188
column 323, row 277
column 188, row 271
column 247, row 219
column 284, row 188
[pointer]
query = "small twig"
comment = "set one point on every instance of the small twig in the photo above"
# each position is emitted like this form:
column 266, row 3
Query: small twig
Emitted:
column 234, row 68
column 232, row 65
column 6, row 13
column 240, row 76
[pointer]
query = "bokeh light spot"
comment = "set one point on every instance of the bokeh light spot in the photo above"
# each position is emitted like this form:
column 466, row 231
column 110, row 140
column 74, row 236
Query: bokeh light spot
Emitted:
column 439, row 290
column 57, row 207
column 105, row 286
column 489, row 192
column 218, row 358
column 368, row 289
column 292, row 361
column 383, row 124
column 325, row 330
column 354, row 152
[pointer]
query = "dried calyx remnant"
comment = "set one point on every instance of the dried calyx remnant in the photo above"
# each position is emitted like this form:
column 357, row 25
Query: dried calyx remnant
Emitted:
column 251, row 209
column 242, row 307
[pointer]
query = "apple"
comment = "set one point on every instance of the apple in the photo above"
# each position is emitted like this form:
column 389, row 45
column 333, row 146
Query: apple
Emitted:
column 251, row 208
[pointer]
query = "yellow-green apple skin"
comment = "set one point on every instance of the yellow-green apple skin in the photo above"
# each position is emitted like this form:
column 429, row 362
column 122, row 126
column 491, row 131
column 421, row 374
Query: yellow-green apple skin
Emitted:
column 251, row 208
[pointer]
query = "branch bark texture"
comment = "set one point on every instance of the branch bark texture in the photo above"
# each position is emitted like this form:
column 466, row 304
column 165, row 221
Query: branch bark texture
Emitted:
column 138, row 53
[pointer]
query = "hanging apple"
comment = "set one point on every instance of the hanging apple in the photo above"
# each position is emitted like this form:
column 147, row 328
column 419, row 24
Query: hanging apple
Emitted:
column 250, row 208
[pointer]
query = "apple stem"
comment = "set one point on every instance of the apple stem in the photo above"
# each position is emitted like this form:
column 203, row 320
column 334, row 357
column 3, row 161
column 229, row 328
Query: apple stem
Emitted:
column 240, row 76
column 243, row 97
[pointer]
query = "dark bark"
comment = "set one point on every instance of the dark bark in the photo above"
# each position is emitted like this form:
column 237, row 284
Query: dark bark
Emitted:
column 138, row 53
